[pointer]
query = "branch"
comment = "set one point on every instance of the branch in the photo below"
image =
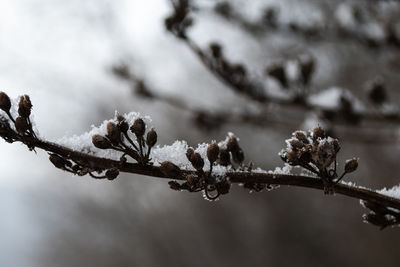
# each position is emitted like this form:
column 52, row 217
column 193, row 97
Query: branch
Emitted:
column 313, row 151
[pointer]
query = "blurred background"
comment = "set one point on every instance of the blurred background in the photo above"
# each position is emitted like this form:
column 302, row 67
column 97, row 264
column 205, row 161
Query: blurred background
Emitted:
column 62, row 53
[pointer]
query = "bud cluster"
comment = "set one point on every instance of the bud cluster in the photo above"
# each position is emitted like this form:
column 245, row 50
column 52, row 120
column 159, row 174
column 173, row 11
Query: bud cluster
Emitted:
column 316, row 152
column 118, row 138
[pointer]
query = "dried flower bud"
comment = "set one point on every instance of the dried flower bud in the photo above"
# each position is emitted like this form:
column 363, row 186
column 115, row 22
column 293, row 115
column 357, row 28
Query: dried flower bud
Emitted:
column 151, row 138
column 122, row 125
column 197, row 161
column 232, row 144
column 336, row 145
column 223, row 187
column 307, row 67
column 57, row 161
column 138, row 128
column 305, row 156
column 5, row 102
column 120, row 118
column 101, row 142
column 112, row 173
column 21, row 125
column 377, row 92
column 278, row 72
column 224, row 157
column 191, row 180
column 213, row 152
column 174, row 185
column 238, row 156
column 295, row 144
column 25, row 106
column 291, row 157
column 300, row 135
column 351, row 165
column 169, row 169
column 113, row 133
column 216, row 50
column 189, row 153
column 324, row 154
column 318, row 132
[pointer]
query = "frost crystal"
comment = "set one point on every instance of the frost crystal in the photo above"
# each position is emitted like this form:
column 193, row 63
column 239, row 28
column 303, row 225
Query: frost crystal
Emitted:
column 391, row 192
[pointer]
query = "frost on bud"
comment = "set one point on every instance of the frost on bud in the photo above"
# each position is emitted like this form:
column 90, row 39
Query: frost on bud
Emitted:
column 5, row 102
column 232, row 144
column 278, row 72
column 213, row 152
column 21, row 125
column 113, row 133
column 169, row 169
column 197, row 161
column 138, row 128
column 112, row 173
column 151, row 138
column 101, row 142
column 224, row 157
column 318, row 132
column 351, row 165
column 25, row 106
column 238, row 156
column 295, row 144
column 301, row 136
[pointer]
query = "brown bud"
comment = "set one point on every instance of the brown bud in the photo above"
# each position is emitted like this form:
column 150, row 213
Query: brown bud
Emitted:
column 123, row 126
column 21, row 125
column 169, row 169
column 305, row 156
column 295, row 144
column 197, row 161
column 223, row 187
column 224, row 157
column 278, row 72
column 300, row 135
column 191, row 180
column 138, row 127
column 151, row 138
column 232, row 144
column 113, row 133
column 174, row 185
column 25, row 106
column 57, row 161
column 238, row 156
column 120, row 118
column 5, row 102
column 336, row 145
column 351, row 165
column 216, row 50
column 213, row 152
column 291, row 156
column 101, row 142
column 189, row 153
column 112, row 173
column 377, row 92
column 318, row 132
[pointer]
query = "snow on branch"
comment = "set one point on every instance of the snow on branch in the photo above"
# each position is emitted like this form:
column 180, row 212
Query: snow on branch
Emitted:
column 126, row 144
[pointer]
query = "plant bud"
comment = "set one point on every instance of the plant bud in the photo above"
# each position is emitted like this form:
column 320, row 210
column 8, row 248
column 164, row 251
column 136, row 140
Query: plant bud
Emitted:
column 336, row 145
column 238, row 156
column 189, row 153
column 25, row 106
column 216, row 50
column 112, row 173
column 197, row 161
column 21, row 125
column 169, row 169
column 295, row 144
column 5, row 102
column 123, row 126
column 57, row 161
column 232, row 144
column 223, row 187
column 278, row 72
column 291, row 156
column 318, row 132
column 138, row 128
column 191, row 180
column 300, row 135
column 351, row 165
column 151, row 138
column 174, row 185
column 113, row 133
column 224, row 157
column 213, row 152
column 101, row 142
